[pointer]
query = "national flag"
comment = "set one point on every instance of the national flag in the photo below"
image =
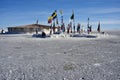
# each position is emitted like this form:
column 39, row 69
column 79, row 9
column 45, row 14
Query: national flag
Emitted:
column 88, row 19
column 50, row 19
column 54, row 15
column 98, row 27
column 61, row 12
column 72, row 17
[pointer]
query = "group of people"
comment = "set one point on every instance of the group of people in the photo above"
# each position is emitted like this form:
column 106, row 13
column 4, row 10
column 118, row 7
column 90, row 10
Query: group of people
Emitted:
column 63, row 29
column 69, row 28
column 72, row 28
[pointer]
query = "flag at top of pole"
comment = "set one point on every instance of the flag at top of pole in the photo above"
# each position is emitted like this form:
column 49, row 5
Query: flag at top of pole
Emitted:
column 72, row 16
column 52, row 17
column 88, row 19
column 37, row 22
column 61, row 12
column 54, row 14
column 98, row 29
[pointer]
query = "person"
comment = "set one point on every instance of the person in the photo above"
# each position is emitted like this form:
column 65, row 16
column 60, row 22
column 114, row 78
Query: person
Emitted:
column 71, row 26
column 36, row 30
column 50, row 31
column 58, row 28
column 68, row 28
column 90, row 28
column 2, row 31
column 78, row 28
column 53, row 29
column 43, row 34
column 74, row 28
column 63, row 27
column 98, row 29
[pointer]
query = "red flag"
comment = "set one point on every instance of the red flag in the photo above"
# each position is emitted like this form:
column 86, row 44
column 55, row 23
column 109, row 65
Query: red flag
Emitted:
column 50, row 19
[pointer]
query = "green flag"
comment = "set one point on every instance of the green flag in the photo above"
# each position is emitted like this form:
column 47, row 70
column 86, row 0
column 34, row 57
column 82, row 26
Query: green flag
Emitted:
column 72, row 16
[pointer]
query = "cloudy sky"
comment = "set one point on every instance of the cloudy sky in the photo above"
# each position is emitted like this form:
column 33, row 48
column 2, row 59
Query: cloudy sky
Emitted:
column 22, row 12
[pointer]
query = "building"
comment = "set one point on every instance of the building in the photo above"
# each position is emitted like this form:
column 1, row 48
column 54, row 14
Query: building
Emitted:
column 28, row 28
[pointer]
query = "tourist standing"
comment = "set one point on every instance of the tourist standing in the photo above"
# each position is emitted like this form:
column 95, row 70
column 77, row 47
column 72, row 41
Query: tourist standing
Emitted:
column 78, row 28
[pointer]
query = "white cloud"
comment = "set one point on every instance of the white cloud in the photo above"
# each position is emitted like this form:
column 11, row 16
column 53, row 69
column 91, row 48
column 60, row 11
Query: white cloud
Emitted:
column 106, row 10
column 103, row 22
column 111, row 22
column 94, row 10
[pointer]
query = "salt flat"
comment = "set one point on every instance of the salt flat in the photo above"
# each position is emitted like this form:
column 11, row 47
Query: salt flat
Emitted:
column 23, row 57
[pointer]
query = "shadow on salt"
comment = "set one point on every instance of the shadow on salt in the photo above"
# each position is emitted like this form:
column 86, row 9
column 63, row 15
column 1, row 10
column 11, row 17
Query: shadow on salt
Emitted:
column 40, row 36
column 65, row 36
column 84, row 35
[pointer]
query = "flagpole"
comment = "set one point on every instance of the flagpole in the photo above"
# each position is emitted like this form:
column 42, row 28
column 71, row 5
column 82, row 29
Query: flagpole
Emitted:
column 61, row 21
column 74, row 25
column 51, row 28
column 36, row 27
column 99, row 26
column 72, row 20
column 71, row 26
column 88, row 26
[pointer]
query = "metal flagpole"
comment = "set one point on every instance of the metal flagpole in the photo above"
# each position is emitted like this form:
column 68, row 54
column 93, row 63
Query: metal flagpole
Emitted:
column 74, row 25
column 72, row 18
column 71, row 26
column 51, row 28
column 88, row 26
column 61, row 20
column 37, row 27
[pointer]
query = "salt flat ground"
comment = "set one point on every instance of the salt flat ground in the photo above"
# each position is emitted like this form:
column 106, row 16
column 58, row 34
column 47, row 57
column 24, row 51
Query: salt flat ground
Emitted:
column 23, row 57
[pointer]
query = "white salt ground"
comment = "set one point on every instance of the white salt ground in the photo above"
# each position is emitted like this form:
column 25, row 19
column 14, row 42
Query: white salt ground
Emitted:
column 23, row 57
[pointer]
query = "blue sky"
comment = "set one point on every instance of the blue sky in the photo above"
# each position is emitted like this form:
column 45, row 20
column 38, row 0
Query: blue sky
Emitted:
column 22, row 12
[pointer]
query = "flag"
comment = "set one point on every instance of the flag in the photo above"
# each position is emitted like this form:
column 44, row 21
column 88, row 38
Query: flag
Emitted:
column 61, row 19
column 72, row 16
column 54, row 15
column 98, row 27
column 88, row 19
column 50, row 19
column 37, row 22
column 61, row 12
